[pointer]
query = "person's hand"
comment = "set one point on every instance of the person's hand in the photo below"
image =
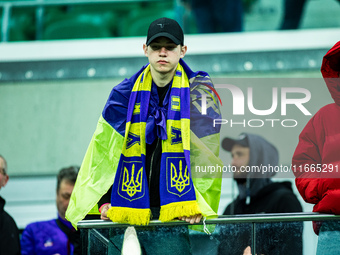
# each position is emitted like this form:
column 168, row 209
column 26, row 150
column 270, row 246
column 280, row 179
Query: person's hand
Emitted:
column 247, row 251
column 192, row 219
column 103, row 211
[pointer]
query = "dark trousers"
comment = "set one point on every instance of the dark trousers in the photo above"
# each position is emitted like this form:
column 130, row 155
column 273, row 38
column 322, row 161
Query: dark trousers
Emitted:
column 218, row 15
column 292, row 15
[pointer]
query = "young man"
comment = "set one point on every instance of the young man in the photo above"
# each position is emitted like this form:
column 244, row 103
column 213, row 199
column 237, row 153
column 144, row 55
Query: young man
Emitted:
column 148, row 139
column 259, row 194
column 9, row 233
column 55, row 236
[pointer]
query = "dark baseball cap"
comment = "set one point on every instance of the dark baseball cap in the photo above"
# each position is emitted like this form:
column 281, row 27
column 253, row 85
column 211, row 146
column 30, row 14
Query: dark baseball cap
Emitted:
column 228, row 143
column 165, row 27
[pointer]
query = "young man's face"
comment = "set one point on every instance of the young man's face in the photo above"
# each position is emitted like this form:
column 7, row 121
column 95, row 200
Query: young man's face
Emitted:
column 63, row 197
column 240, row 157
column 164, row 54
column 3, row 174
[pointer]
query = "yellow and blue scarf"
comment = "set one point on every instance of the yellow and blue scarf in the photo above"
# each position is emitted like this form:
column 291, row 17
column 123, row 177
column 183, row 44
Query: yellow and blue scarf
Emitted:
column 130, row 193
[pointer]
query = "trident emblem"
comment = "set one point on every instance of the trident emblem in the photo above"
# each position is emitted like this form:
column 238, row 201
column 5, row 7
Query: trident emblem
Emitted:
column 130, row 185
column 179, row 180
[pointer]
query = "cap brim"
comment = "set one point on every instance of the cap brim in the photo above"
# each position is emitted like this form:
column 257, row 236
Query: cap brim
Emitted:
column 228, row 143
column 165, row 34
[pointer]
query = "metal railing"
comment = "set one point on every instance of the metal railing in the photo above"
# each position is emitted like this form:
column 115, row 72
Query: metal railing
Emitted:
column 92, row 227
column 39, row 12
column 246, row 218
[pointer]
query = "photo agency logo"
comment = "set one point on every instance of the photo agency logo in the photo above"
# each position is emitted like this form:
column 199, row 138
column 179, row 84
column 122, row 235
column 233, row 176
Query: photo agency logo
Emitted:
column 269, row 107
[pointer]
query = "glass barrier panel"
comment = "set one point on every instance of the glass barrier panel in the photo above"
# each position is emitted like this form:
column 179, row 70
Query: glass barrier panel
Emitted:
column 219, row 237
column 223, row 236
column 224, row 239
column 278, row 238
column 96, row 242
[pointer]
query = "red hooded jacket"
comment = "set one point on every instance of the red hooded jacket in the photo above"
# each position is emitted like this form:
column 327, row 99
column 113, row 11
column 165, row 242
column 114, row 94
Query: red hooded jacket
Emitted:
column 319, row 147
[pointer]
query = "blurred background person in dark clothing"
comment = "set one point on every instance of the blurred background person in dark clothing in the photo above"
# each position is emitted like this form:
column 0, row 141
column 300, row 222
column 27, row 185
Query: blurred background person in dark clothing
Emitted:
column 9, row 233
column 259, row 194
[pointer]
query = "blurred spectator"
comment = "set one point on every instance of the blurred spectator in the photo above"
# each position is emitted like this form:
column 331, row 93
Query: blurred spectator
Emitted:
column 217, row 16
column 316, row 159
column 259, row 194
column 9, row 233
column 55, row 236
column 292, row 13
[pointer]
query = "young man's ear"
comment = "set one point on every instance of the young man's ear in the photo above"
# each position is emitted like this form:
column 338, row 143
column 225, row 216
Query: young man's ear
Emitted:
column 183, row 51
column 4, row 181
column 145, row 49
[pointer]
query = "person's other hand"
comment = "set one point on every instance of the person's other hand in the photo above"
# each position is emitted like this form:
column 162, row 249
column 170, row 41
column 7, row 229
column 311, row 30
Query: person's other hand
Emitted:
column 192, row 219
column 247, row 251
column 103, row 212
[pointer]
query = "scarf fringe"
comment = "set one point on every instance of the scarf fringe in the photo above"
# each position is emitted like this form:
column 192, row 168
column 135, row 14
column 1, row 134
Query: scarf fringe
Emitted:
column 179, row 209
column 129, row 215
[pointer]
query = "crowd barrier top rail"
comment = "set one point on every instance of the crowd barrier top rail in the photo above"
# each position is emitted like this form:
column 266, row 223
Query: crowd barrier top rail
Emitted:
column 246, row 218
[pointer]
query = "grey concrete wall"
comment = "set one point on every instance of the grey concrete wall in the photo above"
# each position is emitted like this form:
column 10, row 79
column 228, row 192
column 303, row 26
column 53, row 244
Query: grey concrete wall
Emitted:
column 48, row 125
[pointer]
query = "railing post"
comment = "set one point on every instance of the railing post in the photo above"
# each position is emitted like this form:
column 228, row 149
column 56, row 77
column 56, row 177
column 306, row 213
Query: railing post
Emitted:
column 5, row 22
column 39, row 14
column 88, row 247
column 253, row 239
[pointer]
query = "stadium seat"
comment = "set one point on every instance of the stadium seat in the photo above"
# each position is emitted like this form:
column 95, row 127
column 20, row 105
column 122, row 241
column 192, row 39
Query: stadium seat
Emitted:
column 75, row 29
column 137, row 23
column 103, row 19
column 22, row 24
column 101, row 14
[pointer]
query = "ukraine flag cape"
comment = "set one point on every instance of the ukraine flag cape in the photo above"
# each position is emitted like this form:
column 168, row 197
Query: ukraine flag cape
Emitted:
column 103, row 155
